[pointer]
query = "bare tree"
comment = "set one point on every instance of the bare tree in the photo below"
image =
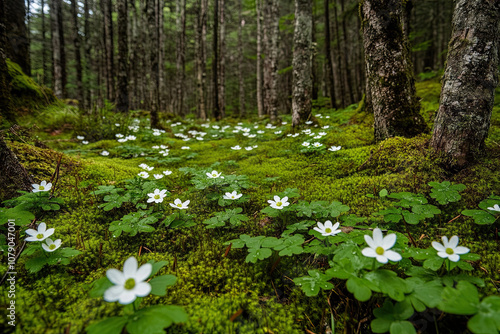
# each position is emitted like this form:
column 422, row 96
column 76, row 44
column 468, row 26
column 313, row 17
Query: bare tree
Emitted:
column 471, row 75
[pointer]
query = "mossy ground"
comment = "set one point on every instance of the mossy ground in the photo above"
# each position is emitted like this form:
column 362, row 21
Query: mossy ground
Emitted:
column 213, row 287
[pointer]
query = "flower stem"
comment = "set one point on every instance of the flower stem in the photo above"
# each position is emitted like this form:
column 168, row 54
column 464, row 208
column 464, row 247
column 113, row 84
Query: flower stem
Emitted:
column 374, row 263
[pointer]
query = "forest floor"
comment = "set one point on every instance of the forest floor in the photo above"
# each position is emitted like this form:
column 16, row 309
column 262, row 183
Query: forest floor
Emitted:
column 104, row 215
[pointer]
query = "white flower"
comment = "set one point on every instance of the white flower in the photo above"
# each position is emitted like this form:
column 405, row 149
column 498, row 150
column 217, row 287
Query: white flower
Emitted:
column 43, row 186
column 144, row 175
column 306, row 144
column 233, row 195
column 122, row 140
column 450, row 249
column 277, row 132
column 379, row 247
column 213, row 175
column 295, row 135
column 167, row 172
column 252, row 136
column 131, row 137
column 51, row 245
column 80, row 137
column 105, row 153
column 317, row 144
column 237, row 147
column 117, row 124
column 185, row 148
column 249, row 148
column 327, row 229
column 119, row 135
column 279, row 203
column 157, row 196
column 284, row 123
column 179, row 205
column 326, row 126
column 334, row 148
column 85, row 142
column 130, row 283
column 155, row 147
column 158, row 176
column 261, row 132
column 495, row 207
column 40, row 234
column 309, row 122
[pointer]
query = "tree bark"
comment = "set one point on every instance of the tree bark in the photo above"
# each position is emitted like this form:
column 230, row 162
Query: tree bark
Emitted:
column 241, row 60
column 273, row 59
column 5, row 105
column 347, row 72
column 57, row 61
column 44, row 44
column 153, row 53
column 302, row 62
column 181, row 54
column 389, row 71
column 215, row 63
column 78, row 57
column 17, row 46
column 340, row 72
column 89, row 61
column 329, row 55
column 469, row 82
column 201, row 57
column 108, row 38
column 222, row 60
column 260, row 104
column 12, row 174
column 122, row 103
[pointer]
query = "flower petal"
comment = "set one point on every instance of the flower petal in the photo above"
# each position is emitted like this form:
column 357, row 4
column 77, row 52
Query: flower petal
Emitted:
column 284, row 199
column 143, row 272
column 370, row 241
column 369, row 252
column 443, row 254
column 336, row 226
column 378, row 237
column 388, row 241
column 393, row 256
column 277, row 198
column 142, row 289
column 382, row 259
column 42, row 227
column 130, row 267
column 186, row 203
column 445, row 242
column 46, row 248
column 454, row 257
column 115, row 276
column 453, row 242
column 461, row 250
column 438, row 246
column 32, row 232
column 49, row 232
column 113, row 293
column 127, row 297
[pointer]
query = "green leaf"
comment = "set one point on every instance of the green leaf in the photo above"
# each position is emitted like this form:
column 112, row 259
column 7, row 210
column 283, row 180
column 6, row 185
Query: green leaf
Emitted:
column 159, row 284
column 311, row 284
column 99, row 287
column 391, row 215
column 391, row 318
column 291, row 245
column 427, row 292
column 255, row 254
column 445, row 192
column 389, row 283
column 156, row 266
column 433, row 263
column 480, row 217
column 153, row 319
column 21, row 217
column 464, row 300
column 383, row 193
column 407, row 199
column 402, row 327
column 113, row 325
column 360, row 288
column 336, row 208
column 487, row 320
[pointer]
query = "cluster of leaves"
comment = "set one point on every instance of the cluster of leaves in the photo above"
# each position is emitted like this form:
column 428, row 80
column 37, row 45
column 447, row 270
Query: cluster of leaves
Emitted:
column 135, row 192
column 40, row 258
column 485, row 216
column 23, row 209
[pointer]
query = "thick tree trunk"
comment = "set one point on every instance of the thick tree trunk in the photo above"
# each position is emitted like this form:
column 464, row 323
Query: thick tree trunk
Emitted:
column 222, row 60
column 260, row 104
column 161, row 56
column 13, row 176
column 17, row 46
column 134, row 69
column 57, row 67
column 469, row 82
column 389, row 71
column 241, row 60
column 302, row 62
column 153, row 38
column 314, row 93
column 329, row 55
column 122, row 104
column 181, row 54
column 5, row 105
column 78, row 57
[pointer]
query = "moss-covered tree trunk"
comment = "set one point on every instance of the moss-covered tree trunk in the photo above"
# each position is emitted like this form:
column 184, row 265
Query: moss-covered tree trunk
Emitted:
column 13, row 176
column 471, row 75
column 302, row 62
column 389, row 72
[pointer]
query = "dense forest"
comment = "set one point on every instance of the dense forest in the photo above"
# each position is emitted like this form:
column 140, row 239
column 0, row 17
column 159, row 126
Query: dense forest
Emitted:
column 250, row 166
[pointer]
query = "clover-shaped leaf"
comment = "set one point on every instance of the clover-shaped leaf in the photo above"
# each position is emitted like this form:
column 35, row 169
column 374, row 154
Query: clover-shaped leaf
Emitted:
column 311, row 284
column 255, row 254
column 291, row 245
column 445, row 192
column 392, row 318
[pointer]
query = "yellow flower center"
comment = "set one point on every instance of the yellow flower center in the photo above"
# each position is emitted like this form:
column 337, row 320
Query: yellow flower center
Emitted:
column 328, row 230
column 379, row 250
column 279, row 204
column 449, row 251
column 52, row 246
column 41, row 188
column 157, row 196
column 39, row 236
column 179, row 205
column 129, row 284
column 232, row 196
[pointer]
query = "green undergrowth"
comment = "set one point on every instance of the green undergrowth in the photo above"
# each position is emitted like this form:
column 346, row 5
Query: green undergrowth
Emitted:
column 219, row 290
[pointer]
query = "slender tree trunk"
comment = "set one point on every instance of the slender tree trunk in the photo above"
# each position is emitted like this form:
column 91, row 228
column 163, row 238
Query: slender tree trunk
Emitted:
column 469, row 82
column 78, row 57
column 122, row 103
column 222, row 60
column 44, row 45
column 302, row 62
column 273, row 55
column 347, row 72
column 17, row 41
column 241, row 60
column 56, row 49
column 260, row 105
column 181, row 54
column 153, row 38
column 329, row 55
column 201, row 57
column 88, row 90
column 108, row 37
column 340, row 73
column 161, row 56
column 62, row 51
column 314, row 93
column 215, row 63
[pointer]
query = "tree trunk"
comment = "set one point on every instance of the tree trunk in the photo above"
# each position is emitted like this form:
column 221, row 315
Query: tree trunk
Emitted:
column 13, row 176
column 44, row 45
column 201, row 57
column 153, row 52
column 302, row 62
column 78, row 57
column 222, row 61
column 89, row 65
column 314, row 93
column 340, row 72
column 389, row 71
column 134, row 70
column 181, row 54
column 215, row 63
column 57, row 67
column 347, row 72
column 5, row 106
column 161, row 57
column 122, row 104
column 273, row 61
column 260, row 105
column 17, row 47
column 329, row 55
column 469, row 82
column 108, row 37
column 241, row 60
